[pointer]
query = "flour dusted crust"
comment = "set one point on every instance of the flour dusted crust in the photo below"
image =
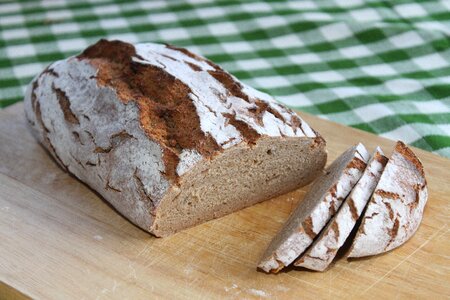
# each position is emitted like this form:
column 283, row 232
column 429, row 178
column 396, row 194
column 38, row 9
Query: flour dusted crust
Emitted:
column 395, row 210
column 312, row 214
column 323, row 250
column 156, row 130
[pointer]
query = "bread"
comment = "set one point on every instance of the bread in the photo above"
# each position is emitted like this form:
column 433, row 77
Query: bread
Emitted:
column 390, row 194
column 167, row 137
column 395, row 210
column 319, row 204
column 325, row 247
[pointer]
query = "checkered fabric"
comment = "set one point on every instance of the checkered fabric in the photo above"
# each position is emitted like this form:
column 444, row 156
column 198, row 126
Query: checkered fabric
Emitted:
column 381, row 66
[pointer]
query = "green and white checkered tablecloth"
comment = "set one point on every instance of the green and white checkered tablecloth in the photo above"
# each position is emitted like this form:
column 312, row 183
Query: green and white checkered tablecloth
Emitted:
column 381, row 66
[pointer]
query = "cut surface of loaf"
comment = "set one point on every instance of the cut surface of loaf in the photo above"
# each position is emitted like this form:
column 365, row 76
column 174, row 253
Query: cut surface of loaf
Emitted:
column 167, row 137
column 395, row 210
column 319, row 204
column 325, row 247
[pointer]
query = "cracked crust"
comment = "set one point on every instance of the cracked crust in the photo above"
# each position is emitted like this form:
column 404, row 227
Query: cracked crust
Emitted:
column 136, row 122
column 312, row 214
column 319, row 256
column 395, row 210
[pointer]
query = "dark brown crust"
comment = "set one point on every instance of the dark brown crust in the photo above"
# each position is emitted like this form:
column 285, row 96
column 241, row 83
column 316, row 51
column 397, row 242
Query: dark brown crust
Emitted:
column 417, row 189
column 258, row 111
column 333, row 191
column 389, row 208
column 318, row 141
column 386, row 194
column 332, row 207
column 186, row 52
column 50, row 71
column 297, row 122
column 233, row 86
column 64, row 103
column 193, row 66
column 404, row 150
column 381, row 158
column 262, row 107
column 171, row 160
column 354, row 212
column 278, row 115
column 248, row 133
column 308, row 227
column 393, row 232
column 357, row 163
column 335, row 228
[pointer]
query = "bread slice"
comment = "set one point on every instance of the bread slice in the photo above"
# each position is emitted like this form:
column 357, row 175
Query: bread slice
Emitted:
column 324, row 248
column 395, row 210
column 167, row 137
column 319, row 205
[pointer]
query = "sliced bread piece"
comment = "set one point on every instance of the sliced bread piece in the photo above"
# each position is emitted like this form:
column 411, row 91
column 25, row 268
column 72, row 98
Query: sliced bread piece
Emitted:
column 395, row 210
column 325, row 247
column 319, row 205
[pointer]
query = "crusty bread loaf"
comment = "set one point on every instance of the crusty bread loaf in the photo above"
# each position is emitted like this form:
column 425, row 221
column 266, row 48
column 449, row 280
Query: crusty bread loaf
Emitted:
column 320, row 203
column 167, row 137
column 325, row 247
column 395, row 210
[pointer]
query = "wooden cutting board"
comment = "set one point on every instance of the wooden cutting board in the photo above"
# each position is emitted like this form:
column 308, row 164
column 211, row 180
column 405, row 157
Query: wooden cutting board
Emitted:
column 60, row 240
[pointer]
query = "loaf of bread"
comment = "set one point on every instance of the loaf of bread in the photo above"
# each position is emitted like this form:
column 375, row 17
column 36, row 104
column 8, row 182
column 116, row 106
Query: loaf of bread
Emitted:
column 321, row 202
column 167, row 137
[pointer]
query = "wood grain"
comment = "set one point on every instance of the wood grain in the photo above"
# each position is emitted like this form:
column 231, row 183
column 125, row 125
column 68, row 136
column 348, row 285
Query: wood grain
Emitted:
column 60, row 240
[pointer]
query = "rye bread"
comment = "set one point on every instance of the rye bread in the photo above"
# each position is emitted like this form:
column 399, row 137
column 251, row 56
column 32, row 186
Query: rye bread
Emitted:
column 395, row 210
column 167, row 137
column 319, row 204
column 325, row 247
